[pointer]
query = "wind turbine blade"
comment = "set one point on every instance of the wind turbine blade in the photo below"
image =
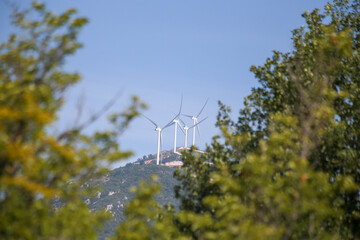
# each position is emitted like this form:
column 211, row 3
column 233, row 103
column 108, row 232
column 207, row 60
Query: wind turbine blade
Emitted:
column 180, row 105
column 168, row 125
column 201, row 121
column 192, row 126
column 187, row 115
column 198, row 123
column 150, row 120
column 182, row 122
column 171, row 122
column 198, row 129
column 202, row 108
column 181, row 128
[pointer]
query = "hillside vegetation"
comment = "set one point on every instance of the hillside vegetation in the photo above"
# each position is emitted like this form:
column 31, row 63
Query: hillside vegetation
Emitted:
column 115, row 187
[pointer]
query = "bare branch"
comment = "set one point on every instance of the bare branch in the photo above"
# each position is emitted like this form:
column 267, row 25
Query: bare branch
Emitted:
column 92, row 118
column 80, row 107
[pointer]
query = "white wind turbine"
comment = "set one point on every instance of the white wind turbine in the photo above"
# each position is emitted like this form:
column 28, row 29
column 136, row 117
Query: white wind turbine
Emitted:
column 196, row 122
column 186, row 128
column 176, row 123
column 159, row 130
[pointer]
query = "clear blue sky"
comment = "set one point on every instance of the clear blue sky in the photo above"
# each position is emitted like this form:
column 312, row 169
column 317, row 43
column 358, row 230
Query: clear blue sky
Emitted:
column 159, row 49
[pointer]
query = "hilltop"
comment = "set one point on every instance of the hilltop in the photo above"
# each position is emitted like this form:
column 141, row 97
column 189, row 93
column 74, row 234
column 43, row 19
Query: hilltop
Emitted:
column 115, row 193
column 167, row 158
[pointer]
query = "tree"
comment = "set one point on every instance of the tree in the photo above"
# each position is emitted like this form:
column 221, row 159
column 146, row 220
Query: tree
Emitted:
column 41, row 174
column 288, row 168
column 320, row 50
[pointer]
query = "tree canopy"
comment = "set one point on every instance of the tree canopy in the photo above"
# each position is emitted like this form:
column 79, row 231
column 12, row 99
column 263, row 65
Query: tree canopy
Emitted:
column 38, row 167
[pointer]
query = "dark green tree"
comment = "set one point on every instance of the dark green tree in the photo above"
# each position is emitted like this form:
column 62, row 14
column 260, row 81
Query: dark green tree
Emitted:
column 322, row 52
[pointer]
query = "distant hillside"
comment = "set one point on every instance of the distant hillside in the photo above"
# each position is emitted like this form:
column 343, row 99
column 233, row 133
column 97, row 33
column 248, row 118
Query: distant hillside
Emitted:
column 115, row 186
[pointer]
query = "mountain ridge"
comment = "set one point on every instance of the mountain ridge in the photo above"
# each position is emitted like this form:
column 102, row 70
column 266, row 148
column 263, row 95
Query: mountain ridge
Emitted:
column 115, row 186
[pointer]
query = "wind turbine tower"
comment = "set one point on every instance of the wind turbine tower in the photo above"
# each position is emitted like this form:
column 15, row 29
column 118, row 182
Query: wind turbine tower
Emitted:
column 176, row 123
column 159, row 130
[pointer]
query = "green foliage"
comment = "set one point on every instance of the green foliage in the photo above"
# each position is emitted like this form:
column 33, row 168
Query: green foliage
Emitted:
column 273, row 194
column 196, row 180
column 318, row 84
column 37, row 167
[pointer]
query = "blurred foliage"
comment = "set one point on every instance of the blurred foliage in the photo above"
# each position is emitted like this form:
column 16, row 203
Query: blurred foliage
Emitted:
column 37, row 167
column 288, row 168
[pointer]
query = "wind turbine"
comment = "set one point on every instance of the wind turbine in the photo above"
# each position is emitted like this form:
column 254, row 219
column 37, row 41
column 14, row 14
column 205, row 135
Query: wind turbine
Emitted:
column 159, row 130
column 176, row 123
column 196, row 122
column 186, row 128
